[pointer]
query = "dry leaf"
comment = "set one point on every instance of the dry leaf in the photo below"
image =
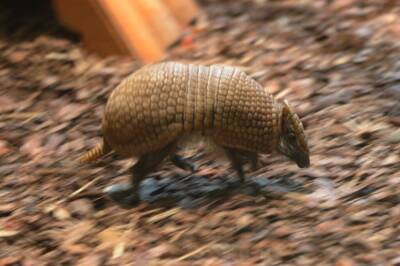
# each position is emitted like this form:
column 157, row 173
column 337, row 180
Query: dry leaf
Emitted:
column 110, row 237
column 61, row 213
column 8, row 233
column 119, row 250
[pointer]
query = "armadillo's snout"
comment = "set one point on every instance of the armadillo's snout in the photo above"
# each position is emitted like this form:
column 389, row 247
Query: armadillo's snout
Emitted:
column 294, row 152
column 303, row 161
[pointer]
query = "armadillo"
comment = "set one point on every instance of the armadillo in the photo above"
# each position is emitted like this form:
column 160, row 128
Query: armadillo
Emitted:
column 160, row 104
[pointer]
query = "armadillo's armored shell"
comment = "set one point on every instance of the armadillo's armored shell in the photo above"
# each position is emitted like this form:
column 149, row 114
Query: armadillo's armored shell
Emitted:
column 159, row 103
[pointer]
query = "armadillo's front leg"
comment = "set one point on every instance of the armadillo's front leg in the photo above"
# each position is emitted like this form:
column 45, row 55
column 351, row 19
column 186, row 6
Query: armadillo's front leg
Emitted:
column 254, row 161
column 236, row 162
column 127, row 194
column 252, row 157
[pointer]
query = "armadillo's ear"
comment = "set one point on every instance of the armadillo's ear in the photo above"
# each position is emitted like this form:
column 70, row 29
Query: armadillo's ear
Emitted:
column 287, row 111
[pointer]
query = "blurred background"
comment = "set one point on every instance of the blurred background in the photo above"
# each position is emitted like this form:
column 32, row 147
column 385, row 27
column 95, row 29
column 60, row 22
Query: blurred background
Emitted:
column 336, row 61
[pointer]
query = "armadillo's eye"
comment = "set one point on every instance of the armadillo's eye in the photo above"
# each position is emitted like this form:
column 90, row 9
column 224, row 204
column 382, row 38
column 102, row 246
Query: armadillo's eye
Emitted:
column 291, row 138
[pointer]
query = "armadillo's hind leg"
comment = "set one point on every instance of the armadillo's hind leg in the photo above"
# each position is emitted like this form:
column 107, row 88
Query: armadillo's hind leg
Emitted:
column 127, row 195
column 183, row 163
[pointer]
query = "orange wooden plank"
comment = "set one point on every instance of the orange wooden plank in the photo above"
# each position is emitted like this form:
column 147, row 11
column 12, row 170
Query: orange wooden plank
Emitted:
column 162, row 24
column 183, row 10
column 141, row 28
column 85, row 18
column 134, row 29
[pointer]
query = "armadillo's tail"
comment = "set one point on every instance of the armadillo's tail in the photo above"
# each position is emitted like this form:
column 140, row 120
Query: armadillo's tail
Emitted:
column 100, row 150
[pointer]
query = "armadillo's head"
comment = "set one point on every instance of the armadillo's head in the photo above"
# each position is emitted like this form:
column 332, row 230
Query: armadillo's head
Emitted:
column 293, row 142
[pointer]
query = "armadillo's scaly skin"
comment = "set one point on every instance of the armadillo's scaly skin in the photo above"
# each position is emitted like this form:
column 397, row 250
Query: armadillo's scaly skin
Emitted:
column 162, row 102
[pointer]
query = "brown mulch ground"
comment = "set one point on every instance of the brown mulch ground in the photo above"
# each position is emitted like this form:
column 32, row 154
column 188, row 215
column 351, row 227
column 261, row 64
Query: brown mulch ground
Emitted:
column 337, row 61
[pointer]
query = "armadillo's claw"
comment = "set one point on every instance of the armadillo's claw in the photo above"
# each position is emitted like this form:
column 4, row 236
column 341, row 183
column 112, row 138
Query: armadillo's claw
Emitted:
column 123, row 194
column 183, row 163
